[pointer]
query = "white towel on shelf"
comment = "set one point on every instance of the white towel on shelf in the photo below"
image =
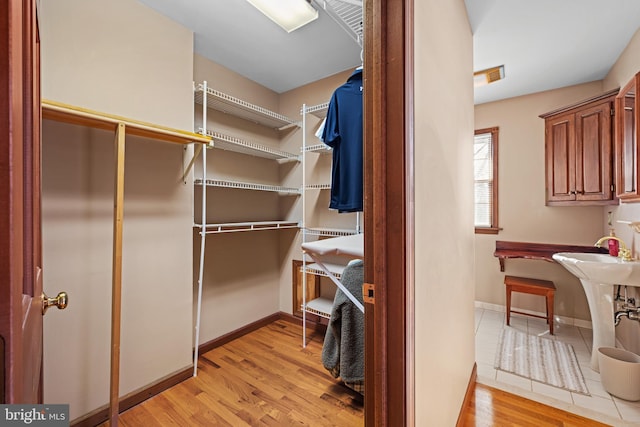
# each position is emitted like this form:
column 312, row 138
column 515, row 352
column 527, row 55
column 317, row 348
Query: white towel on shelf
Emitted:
column 321, row 129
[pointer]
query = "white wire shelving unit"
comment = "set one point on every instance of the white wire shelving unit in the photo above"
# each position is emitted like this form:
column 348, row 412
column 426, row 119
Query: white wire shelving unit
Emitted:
column 335, row 269
column 320, row 110
column 248, row 186
column 317, row 148
column 234, row 227
column 213, row 99
column 347, row 14
column 242, row 146
column 317, row 187
column 319, row 306
column 330, row 232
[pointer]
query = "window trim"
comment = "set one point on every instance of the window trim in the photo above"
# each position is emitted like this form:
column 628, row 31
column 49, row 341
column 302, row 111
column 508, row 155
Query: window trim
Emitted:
column 494, row 228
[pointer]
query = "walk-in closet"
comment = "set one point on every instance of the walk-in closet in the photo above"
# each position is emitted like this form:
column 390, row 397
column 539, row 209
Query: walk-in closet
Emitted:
column 213, row 233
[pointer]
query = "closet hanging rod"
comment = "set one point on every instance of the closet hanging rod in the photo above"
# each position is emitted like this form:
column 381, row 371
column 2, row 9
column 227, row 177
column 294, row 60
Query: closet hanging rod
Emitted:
column 52, row 110
column 249, row 226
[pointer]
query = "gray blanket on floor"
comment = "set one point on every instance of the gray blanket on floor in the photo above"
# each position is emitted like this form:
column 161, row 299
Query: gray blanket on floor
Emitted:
column 343, row 349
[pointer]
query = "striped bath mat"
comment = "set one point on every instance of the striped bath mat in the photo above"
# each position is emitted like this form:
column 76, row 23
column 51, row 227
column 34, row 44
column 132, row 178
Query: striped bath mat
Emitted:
column 540, row 359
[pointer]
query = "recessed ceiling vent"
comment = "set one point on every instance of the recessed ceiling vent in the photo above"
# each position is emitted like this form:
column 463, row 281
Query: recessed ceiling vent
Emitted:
column 490, row 75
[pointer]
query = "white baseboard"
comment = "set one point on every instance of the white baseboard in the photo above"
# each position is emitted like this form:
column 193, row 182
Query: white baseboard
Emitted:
column 559, row 319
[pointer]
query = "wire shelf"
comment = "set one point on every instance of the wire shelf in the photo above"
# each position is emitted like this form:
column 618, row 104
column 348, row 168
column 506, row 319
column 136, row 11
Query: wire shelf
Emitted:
column 319, row 110
column 243, row 109
column 233, row 227
column 347, row 14
column 318, row 186
column 237, row 145
column 320, row 307
column 330, row 232
column 248, row 186
column 317, row 148
column 335, row 269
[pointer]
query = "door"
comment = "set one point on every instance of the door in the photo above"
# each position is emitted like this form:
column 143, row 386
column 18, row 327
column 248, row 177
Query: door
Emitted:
column 561, row 161
column 21, row 298
column 594, row 151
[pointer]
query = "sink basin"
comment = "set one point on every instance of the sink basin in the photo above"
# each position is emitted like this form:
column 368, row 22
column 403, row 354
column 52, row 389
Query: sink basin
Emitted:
column 600, row 268
column 598, row 274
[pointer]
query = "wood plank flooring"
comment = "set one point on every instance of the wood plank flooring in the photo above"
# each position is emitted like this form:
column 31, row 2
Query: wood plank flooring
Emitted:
column 490, row 407
column 266, row 378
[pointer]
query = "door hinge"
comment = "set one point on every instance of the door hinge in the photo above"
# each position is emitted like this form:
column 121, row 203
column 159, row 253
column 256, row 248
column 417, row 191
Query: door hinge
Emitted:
column 613, row 111
column 368, row 293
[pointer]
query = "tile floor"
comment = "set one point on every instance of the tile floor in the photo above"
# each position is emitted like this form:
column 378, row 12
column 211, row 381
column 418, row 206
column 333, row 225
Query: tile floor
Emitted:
column 600, row 405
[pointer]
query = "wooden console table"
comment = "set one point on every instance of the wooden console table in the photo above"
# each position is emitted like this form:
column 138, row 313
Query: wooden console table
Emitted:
column 539, row 251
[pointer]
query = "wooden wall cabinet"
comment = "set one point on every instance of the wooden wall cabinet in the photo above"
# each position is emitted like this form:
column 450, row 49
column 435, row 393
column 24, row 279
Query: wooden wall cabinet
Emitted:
column 626, row 144
column 579, row 153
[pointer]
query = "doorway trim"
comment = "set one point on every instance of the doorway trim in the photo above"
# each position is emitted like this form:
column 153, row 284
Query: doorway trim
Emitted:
column 388, row 157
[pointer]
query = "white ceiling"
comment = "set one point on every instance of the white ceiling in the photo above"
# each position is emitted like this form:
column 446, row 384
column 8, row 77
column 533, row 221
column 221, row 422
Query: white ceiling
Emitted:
column 543, row 44
column 547, row 44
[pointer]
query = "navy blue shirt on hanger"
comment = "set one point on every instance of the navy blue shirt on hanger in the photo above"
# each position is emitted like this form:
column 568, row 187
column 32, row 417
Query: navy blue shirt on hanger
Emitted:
column 343, row 133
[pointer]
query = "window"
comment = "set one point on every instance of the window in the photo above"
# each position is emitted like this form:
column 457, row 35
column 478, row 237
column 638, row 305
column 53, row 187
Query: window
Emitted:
column 485, row 168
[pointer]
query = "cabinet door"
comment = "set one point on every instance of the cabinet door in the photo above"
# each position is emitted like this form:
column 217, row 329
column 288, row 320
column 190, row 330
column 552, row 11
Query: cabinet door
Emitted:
column 594, row 153
column 561, row 161
column 627, row 147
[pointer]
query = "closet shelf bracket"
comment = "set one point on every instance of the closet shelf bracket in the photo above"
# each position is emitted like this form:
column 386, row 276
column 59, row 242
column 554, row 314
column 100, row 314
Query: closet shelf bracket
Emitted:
column 187, row 169
column 290, row 125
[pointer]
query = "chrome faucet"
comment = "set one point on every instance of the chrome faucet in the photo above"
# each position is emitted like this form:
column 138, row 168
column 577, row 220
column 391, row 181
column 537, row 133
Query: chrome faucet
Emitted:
column 624, row 253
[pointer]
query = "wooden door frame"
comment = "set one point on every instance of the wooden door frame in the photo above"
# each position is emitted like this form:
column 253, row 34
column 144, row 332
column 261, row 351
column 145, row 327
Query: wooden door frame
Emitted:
column 388, row 218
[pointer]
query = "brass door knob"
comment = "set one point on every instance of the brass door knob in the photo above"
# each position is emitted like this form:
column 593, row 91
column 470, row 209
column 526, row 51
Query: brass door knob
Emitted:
column 61, row 301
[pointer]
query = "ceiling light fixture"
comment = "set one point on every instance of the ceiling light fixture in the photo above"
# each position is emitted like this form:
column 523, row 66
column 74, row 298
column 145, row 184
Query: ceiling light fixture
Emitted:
column 288, row 14
column 490, row 75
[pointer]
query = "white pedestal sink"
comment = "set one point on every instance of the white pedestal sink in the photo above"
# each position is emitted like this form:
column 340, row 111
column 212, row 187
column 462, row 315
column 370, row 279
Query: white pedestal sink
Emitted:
column 598, row 274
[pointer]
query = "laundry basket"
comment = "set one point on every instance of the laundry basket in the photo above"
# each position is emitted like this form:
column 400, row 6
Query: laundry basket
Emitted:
column 620, row 372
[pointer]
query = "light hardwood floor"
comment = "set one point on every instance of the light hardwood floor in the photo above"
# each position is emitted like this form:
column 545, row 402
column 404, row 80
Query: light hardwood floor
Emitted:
column 490, row 407
column 266, row 378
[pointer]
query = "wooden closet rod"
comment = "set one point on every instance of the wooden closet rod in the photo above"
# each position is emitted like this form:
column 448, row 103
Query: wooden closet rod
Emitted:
column 58, row 111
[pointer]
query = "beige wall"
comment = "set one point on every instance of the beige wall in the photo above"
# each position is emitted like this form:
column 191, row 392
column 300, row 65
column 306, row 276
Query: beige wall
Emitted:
column 523, row 215
column 627, row 65
column 122, row 58
column 444, row 267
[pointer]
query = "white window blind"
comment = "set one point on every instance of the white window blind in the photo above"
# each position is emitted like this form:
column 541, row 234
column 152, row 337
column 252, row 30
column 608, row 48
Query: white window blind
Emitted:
column 483, row 174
